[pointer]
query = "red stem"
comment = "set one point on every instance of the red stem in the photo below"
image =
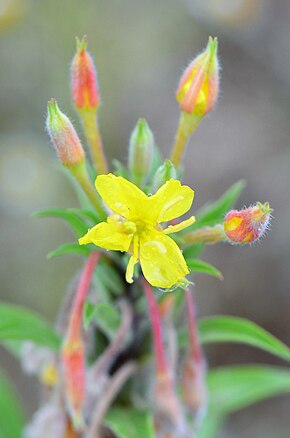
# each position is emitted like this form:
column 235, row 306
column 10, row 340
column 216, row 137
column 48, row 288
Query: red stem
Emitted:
column 194, row 345
column 75, row 320
column 159, row 352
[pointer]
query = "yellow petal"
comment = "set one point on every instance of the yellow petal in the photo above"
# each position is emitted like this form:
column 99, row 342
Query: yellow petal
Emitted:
column 171, row 201
column 121, row 195
column 132, row 261
column 180, row 226
column 108, row 236
column 161, row 260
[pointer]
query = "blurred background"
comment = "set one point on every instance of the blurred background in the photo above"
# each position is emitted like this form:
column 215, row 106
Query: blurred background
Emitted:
column 140, row 49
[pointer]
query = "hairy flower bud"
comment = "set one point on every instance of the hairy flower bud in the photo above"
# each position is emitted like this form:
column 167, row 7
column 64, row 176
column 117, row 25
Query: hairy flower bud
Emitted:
column 164, row 173
column 63, row 136
column 199, row 85
column 85, row 90
column 249, row 224
column 141, row 151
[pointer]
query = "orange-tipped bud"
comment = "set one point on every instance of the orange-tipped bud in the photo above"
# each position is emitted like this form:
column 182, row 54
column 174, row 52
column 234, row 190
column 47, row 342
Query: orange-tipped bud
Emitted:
column 249, row 224
column 85, row 90
column 73, row 360
column 72, row 352
column 64, row 137
column 199, row 85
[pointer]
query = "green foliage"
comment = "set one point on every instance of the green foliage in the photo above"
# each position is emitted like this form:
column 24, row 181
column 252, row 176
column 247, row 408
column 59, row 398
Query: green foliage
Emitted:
column 108, row 279
column 130, row 423
column 196, row 265
column 218, row 329
column 235, row 387
column 69, row 248
column 73, row 219
column 214, row 213
column 11, row 414
column 105, row 316
column 233, row 329
column 120, row 169
column 20, row 324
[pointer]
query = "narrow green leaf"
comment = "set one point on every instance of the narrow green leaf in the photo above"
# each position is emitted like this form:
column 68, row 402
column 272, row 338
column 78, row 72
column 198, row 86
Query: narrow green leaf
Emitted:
column 78, row 225
column 193, row 251
column 109, row 278
column 87, row 214
column 106, row 317
column 18, row 323
column 120, row 169
column 232, row 388
column 210, row 426
column 130, row 423
column 196, row 265
column 214, row 213
column 88, row 315
column 11, row 413
column 233, row 329
column 69, row 248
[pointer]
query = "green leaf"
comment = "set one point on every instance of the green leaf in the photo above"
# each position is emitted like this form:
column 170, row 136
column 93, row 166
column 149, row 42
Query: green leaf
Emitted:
column 106, row 317
column 233, row 329
column 232, row 388
column 130, row 423
column 120, row 169
column 109, row 279
column 192, row 251
column 77, row 224
column 210, row 426
column 87, row 214
column 69, row 248
column 214, row 213
column 18, row 323
column 196, row 265
column 11, row 414
column 88, row 314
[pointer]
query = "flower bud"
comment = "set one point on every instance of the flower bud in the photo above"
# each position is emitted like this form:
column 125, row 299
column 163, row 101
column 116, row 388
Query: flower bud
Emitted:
column 85, row 90
column 73, row 352
column 199, row 85
column 63, row 136
column 164, row 173
column 249, row 224
column 141, row 151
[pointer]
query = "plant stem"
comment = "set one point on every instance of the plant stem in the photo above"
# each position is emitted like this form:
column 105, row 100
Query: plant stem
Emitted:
column 187, row 125
column 159, row 352
column 75, row 320
column 80, row 173
column 92, row 133
column 194, row 345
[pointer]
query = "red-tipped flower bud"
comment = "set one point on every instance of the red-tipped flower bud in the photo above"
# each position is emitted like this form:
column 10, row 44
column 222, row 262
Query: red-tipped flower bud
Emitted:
column 199, row 85
column 85, row 90
column 249, row 224
column 63, row 136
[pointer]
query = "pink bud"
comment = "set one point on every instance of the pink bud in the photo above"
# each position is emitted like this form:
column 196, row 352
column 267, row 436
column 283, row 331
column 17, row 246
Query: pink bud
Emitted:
column 199, row 85
column 249, row 224
column 85, row 91
column 63, row 136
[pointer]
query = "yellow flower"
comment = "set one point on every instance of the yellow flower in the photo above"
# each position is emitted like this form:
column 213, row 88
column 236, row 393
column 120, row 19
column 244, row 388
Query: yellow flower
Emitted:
column 135, row 227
